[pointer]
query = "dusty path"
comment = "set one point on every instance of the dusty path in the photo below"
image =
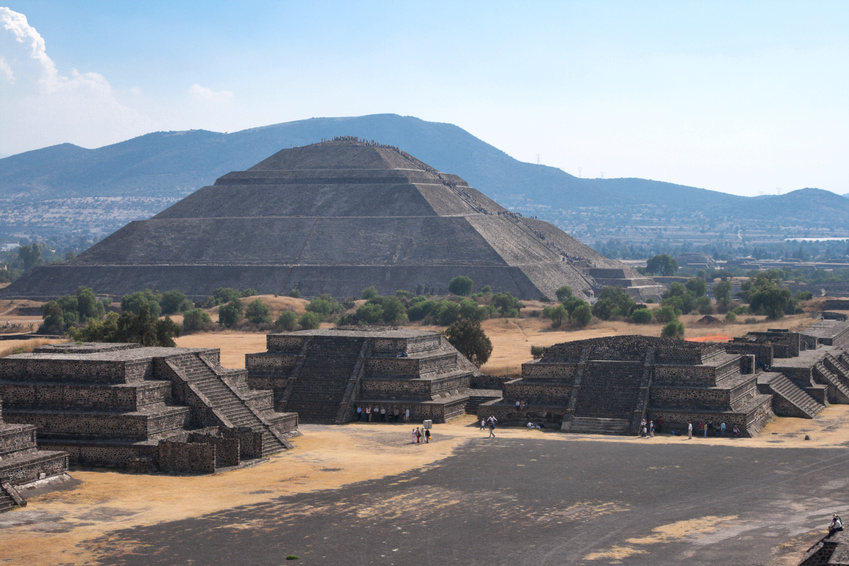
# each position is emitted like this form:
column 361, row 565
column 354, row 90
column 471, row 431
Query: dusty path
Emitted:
column 76, row 525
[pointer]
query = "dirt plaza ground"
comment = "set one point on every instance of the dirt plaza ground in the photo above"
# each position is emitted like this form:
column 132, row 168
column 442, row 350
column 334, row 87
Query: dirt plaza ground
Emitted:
column 363, row 494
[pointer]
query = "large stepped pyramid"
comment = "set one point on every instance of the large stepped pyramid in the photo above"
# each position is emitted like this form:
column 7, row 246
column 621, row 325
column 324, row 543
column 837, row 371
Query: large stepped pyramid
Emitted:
column 336, row 217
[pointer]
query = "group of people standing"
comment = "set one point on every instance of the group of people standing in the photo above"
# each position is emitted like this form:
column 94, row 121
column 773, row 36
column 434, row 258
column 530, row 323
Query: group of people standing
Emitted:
column 419, row 433
column 380, row 414
column 648, row 428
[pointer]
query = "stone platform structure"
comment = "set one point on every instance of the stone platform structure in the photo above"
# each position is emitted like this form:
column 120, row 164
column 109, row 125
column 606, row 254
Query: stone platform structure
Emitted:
column 336, row 217
column 326, row 374
column 122, row 405
column 608, row 385
column 22, row 463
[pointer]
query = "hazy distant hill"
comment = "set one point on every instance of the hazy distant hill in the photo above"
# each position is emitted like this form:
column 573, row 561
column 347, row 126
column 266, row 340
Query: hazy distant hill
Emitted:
column 149, row 172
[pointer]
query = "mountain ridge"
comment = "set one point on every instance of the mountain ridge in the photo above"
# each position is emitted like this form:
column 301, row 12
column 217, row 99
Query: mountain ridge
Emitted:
column 168, row 165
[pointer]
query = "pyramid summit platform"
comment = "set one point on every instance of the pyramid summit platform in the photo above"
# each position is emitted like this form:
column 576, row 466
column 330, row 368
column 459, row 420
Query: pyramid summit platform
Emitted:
column 336, row 217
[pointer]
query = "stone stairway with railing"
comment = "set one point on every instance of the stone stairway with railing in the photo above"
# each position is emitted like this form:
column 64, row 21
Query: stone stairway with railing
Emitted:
column 7, row 502
column 319, row 388
column 823, row 375
column 805, row 405
column 225, row 399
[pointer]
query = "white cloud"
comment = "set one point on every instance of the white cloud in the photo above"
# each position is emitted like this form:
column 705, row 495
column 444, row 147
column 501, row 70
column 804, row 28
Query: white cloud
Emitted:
column 204, row 94
column 51, row 107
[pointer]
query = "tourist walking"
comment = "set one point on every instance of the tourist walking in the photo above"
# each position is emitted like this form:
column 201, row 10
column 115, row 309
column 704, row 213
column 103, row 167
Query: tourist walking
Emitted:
column 407, row 415
column 359, row 413
column 427, row 436
column 735, row 431
column 483, row 424
column 492, row 429
column 651, row 428
column 368, row 414
column 689, row 431
column 413, row 433
column 418, row 436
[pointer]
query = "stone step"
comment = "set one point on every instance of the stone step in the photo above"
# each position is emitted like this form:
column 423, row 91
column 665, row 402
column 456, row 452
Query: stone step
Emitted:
column 782, row 386
column 590, row 425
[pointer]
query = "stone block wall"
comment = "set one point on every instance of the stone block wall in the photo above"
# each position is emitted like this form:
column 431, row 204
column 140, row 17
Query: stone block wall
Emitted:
column 560, row 371
column 186, row 457
column 14, row 438
column 49, row 464
column 60, row 396
column 285, row 342
column 762, row 351
column 271, row 362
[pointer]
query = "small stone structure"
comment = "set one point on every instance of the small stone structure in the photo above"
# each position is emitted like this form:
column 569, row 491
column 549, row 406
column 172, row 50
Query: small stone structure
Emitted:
column 22, row 463
column 609, row 385
column 829, row 551
column 326, row 374
column 173, row 409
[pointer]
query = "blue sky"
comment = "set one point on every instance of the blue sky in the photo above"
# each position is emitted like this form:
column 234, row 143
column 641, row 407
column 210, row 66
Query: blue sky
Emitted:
column 745, row 97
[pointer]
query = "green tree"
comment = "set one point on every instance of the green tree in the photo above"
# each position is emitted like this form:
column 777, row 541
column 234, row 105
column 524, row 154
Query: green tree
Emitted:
column 88, row 305
column 29, row 257
column 673, row 329
column 662, row 264
column 508, row 306
column 173, row 302
column 370, row 313
column 665, row 314
column 446, row 312
column 53, row 319
column 581, row 315
column 613, row 302
column 557, row 315
column 697, row 285
column 537, row 352
column 461, row 285
column 369, row 293
column 223, row 295
column 563, row 293
column 257, row 312
column 196, row 320
column 134, row 301
column 470, row 340
column 230, row 314
column 325, row 305
column 722, row 293
column 287, row 320
column 771, row 300
column 310, row 320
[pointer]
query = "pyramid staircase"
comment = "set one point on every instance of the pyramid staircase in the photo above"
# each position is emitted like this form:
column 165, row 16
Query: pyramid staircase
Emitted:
column 321, row 384
column 836, row 380
column 780, row 386
column 227, row 401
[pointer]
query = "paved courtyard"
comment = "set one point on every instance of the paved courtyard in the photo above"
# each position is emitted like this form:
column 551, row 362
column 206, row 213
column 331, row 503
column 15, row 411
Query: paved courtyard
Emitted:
column 530, row 501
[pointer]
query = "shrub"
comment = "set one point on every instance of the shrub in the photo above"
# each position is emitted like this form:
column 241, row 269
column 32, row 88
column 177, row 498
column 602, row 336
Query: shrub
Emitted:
column 310, row 321
column 673, row 329
column 325, row 305
column 731, row 317
column 370, row 313
column 804, row 295
column 537, row 352
column 665, row 314
column 258, row 312
column 641, row 316
column 461, row 285
column 508, row 305
column 295, row 293
column 287, row 320
column 563, row 293
column 582, row 315
column 223, row 295
column 369, row 293
column 196, row 320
